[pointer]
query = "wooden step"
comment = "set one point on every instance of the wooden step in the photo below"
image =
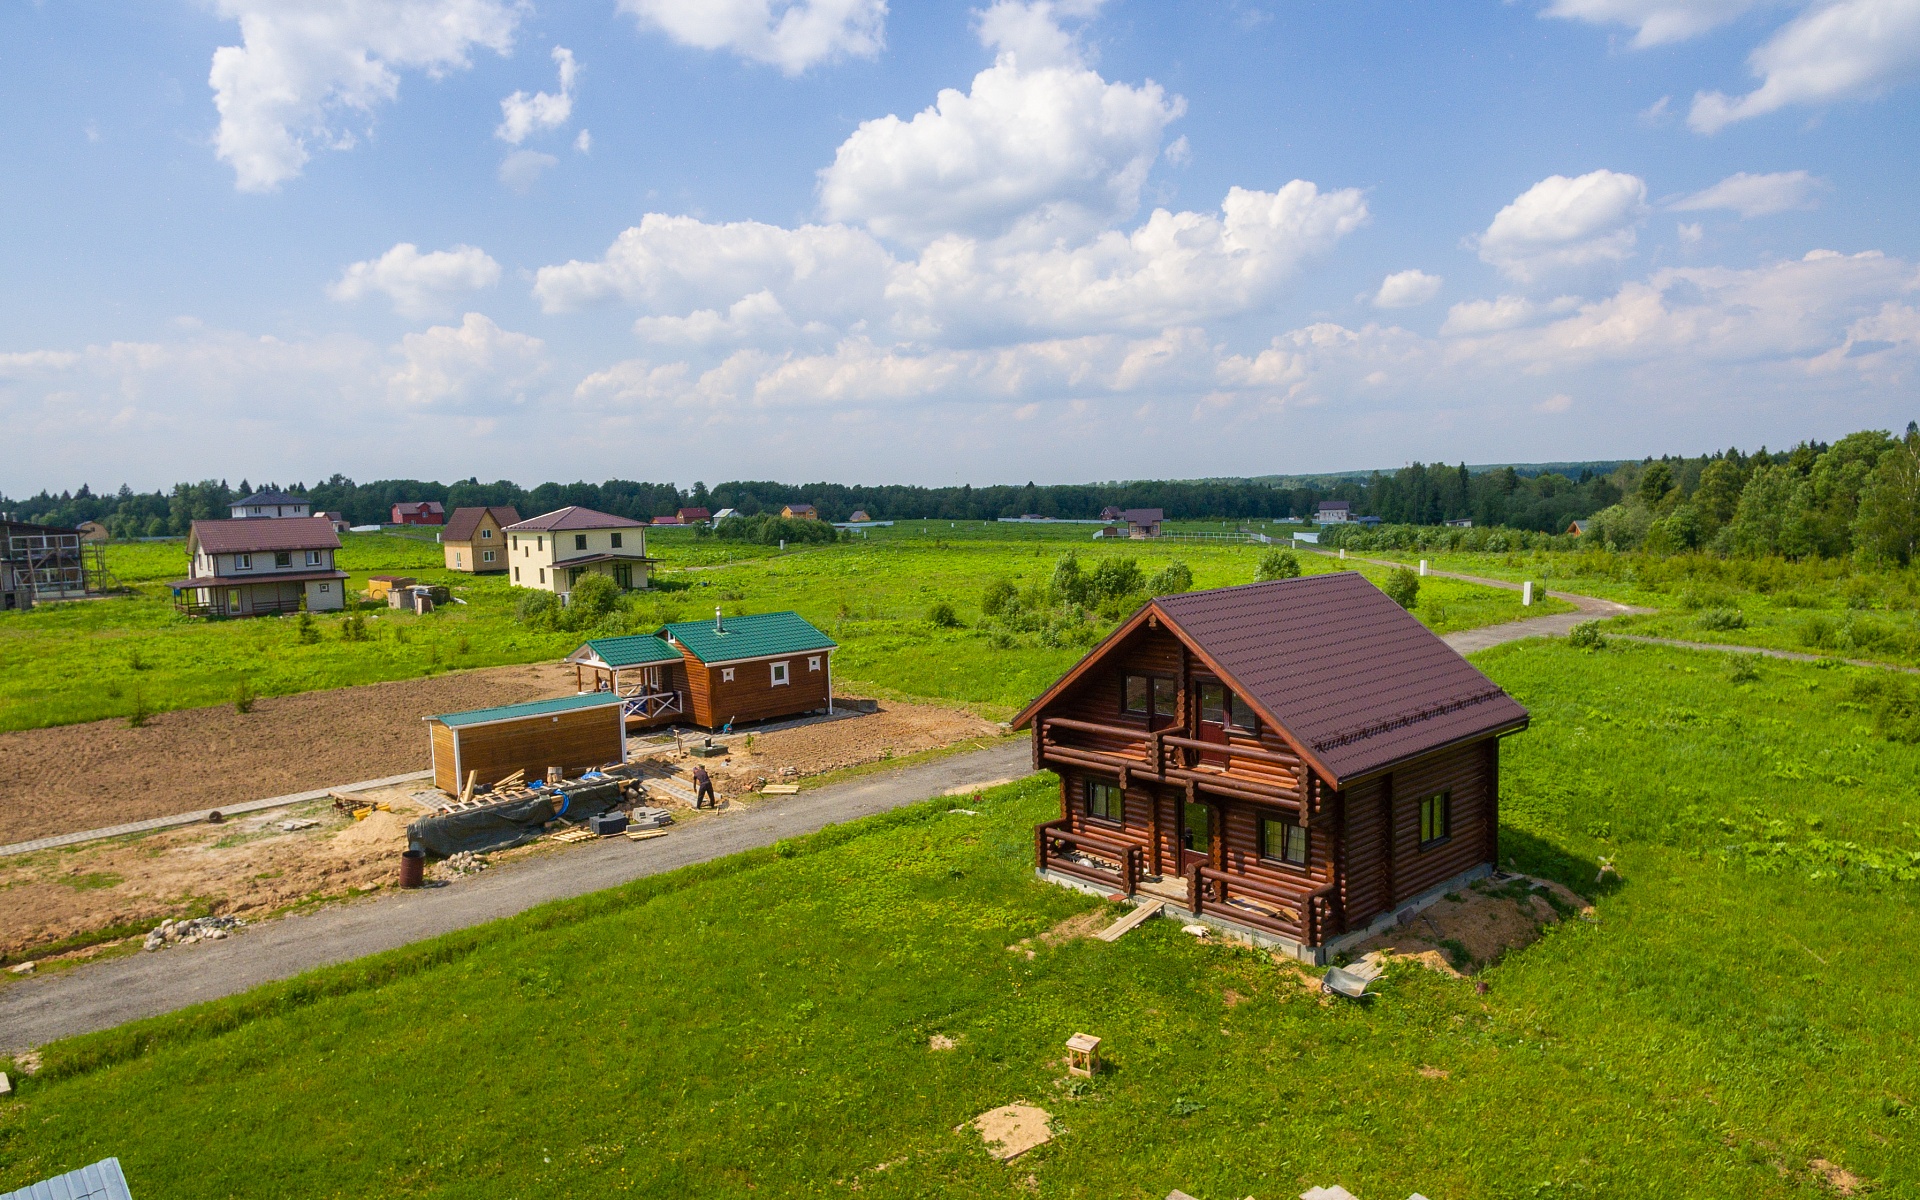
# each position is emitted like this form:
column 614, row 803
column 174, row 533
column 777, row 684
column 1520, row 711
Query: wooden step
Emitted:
column 1139, row 916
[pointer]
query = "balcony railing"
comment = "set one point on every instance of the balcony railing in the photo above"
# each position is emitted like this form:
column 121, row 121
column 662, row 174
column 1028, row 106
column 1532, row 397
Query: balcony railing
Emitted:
column 645, row 706
column 1115, row 864
column 1167, row 756
column 1303, row 918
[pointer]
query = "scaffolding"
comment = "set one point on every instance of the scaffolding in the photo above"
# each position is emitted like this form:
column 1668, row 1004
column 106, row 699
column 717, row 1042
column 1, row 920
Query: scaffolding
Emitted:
column 44, row 562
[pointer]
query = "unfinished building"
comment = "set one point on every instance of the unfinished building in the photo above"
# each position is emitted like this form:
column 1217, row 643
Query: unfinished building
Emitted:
column 48, row 562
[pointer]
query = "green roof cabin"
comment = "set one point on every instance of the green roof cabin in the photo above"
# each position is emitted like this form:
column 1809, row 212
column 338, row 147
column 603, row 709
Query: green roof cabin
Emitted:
column 713, row 673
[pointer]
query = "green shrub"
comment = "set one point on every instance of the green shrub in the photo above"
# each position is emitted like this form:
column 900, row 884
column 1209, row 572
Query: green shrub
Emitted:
column 535, row 607
column 769, row 529
column 353, row 628
column 1740, row 669
column 140, row 713
column 1171, row 580
column 1586, row 636
column 591, row 600
column 1721, row 618
column 942, row 615
column 1895, row 703
column 1000, row 597
column 1277, row 564
column 243, row 697
column 304, row 631
column 1402, row 587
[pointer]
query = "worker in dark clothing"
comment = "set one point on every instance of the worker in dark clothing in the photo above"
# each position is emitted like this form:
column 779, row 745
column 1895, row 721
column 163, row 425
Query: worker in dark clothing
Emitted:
column 703, row 789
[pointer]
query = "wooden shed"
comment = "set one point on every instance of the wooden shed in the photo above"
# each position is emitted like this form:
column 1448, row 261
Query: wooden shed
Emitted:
column 754, row 668
column 573, row 733
column 1298, row 762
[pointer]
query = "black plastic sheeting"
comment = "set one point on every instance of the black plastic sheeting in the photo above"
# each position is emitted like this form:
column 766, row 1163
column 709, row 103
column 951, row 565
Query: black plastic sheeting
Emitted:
column 513, row 822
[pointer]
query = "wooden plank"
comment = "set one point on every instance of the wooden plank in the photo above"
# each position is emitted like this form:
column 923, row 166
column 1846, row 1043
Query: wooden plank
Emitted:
column 1133, row 920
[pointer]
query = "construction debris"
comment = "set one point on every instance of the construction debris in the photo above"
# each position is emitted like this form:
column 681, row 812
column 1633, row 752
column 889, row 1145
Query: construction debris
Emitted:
column 296, row 825
column 25, row 968
column 643, row 835
column 6, row 1085
column 575, row 835
column 649, row 818
column 463, row 862
column 607, row 824
column 185, row 933
column 1131, row 921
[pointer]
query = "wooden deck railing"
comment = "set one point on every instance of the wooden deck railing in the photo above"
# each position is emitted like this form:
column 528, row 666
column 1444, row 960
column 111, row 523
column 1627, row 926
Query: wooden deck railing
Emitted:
column 1309, row 923
column 642, row 705
column 1162, row 755
column 1125, row 874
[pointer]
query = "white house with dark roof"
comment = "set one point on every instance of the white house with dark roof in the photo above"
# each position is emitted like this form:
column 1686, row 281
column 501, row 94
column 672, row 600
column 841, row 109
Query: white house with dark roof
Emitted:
column 1334, row 512
column 254, row 568
column 270, row 504
column 555, row 550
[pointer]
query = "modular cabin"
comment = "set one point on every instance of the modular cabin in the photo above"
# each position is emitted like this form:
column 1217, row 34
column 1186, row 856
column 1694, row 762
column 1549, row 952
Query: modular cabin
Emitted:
column 574, row 733
column 257, row 567
column 475, row 540
column 714, row 673
column 1295, row 762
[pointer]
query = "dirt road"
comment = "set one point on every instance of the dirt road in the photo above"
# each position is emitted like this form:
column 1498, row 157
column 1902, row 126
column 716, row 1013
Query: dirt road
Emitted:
column 41, row 1009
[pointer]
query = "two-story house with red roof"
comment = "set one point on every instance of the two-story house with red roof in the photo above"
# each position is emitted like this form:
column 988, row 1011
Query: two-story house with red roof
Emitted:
column 251, row 568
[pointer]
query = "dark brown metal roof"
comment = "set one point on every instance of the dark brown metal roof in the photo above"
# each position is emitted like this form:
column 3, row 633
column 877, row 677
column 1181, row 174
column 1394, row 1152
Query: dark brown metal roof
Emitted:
column 252, row 536
column 574, row 517
column 1350, row 675
column 465, row 522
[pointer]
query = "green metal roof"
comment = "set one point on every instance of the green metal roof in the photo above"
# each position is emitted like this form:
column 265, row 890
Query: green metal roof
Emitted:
column 532, row 708
column 633, row 650
column 758, row 636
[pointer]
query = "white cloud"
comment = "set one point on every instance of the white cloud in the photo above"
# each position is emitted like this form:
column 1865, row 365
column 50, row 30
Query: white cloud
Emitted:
column 1405, row 289
column 1041, row 143
column 1561, row 224
column 789, row 34
column 1488, row 316
column 1654, row 22
column 524, row 115
column 301, row 68
column 584, row 143
column 1690, row 234
column 1755, row 195
column 1839, row 51
column 475, row 364
column 418, row 284
column 521, row 169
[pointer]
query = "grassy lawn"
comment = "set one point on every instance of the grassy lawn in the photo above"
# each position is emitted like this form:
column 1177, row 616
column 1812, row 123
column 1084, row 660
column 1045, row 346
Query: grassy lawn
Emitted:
column 760, row 1025
column 80, row 662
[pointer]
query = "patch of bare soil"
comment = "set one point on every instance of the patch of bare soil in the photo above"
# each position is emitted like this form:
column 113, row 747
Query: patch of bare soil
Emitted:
column 102, row 773
column 1476, row 926
column 1836, row 1176
column 247, row 867
column 1080, row 925
column 816, row 747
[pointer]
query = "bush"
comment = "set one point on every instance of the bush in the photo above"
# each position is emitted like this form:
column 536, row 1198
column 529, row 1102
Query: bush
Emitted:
column 592, row 598
column 942, row 615
column 304, row 631
column 1117, row 578
column 1586, row 636
column 1000, row 597
column 1403, row 587
column 1740, row 669
column 354, row 628
column 1277, row 564
column 1721, row 618
column 768, row 529
column 534, row 606
column 243, row 697
column 1171, row 580
column 1895, row 703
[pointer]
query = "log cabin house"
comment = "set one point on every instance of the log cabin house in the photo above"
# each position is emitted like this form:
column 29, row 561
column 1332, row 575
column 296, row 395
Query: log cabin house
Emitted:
column 1297, row 763
column 713, row 673
column 474, row 539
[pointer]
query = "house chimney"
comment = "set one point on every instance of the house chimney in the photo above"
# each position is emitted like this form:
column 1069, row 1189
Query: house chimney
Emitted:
column 718, row 625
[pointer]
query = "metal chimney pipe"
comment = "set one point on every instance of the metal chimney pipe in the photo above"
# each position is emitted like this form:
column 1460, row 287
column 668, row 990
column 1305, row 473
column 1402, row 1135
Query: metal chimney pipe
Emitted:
column 718, row 625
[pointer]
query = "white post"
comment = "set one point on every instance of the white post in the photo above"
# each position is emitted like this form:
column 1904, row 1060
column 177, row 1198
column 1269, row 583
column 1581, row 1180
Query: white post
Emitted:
column 1423, row 568
column 1526, row 594
column 829, row 684
column 1343, row 552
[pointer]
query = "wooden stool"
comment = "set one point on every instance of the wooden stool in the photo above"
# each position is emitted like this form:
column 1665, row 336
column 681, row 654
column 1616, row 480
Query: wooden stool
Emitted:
column 1083, row 1055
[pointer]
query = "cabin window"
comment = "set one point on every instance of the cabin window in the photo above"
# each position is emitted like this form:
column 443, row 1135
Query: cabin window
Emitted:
column 243, row 562
column 540, row 543
column 283, row 558
column 1436, row 819
column 616, row 541
column 543, row 574
column 313, row 558
column 1106, row 802
column 1283, row 841
column 1219, row 706
column 726, row 674
column 487, row 534
column 579, row 541
column 485, row 556
column 813, row 664
column 323, row 587
column 1149, row 695
column 516, row 574
column 779, row 674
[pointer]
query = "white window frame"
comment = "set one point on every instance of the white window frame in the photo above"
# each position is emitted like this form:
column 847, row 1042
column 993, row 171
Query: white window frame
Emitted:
column 813, row 662
column 487, row 534
column 726, row 674
column 324, row 586
column 313, row 558
column 243, row 562
column 486, row 556
column 782, row 676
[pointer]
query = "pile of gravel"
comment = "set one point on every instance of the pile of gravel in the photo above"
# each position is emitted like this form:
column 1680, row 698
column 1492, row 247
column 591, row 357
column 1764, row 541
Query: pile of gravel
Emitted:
column 462, row 862
column 185, row 933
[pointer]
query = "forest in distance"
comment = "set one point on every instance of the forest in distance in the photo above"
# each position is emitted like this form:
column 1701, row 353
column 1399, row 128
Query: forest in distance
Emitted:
column 1804, row 500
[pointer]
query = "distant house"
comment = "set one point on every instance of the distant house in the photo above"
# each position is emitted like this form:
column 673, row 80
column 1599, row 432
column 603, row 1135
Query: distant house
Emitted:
column 474, row 541
column 1578, row 529
column 800, row 512
column 673, row 519
column 555, row 550
column 859, row 517
column 724, row 513
column 340, row 522
column 1461, row 523
column 1110, row 513
column 1333, row 512
column 1142, row 522
column 419, row 512
column 92, row 531
column 270, row 504
column 252, row 568
column 694, row 516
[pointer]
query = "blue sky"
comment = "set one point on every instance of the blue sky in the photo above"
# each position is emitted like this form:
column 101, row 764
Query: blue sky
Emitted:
column 1056, row 241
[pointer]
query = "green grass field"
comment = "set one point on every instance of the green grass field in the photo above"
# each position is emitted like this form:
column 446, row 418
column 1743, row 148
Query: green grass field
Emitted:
column 759, row 1025
column 105, row 658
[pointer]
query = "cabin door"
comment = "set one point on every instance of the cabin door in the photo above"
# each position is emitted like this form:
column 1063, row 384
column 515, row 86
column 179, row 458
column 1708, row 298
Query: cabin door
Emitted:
column 1196, row 835
column 1215, row 702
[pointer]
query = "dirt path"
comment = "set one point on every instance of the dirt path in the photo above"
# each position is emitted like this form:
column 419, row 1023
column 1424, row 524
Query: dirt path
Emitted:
column 75, row 777
column 41, row 1008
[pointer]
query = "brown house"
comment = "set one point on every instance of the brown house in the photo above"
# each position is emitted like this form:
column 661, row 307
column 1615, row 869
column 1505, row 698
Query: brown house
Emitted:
column 473, row 540
column 1296, row 762
column 714, row 673
column 800, row 512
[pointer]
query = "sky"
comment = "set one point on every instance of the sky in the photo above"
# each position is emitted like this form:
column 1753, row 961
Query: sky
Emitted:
column 1050, row 240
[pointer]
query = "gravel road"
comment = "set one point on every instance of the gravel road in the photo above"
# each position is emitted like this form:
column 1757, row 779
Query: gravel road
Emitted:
column 37, row 1010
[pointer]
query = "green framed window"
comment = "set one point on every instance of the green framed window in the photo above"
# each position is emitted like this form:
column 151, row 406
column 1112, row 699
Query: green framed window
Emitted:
column 1106, row 802
column 1283, row 841
column 1436, row 819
